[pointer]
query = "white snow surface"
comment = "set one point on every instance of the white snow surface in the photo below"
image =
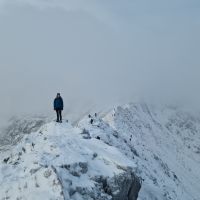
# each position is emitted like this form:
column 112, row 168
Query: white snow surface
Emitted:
column 35, row 167
column 160, row 144
column 167, row 144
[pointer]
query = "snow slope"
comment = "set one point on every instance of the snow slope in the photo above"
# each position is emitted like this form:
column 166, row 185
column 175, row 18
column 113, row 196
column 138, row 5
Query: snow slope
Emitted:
column 101, row 158
column 166, row 141
column 62, row 162
column 17, row 127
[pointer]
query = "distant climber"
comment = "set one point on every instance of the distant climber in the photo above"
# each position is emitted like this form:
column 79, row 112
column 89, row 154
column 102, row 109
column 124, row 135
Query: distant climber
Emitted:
column 58, row 107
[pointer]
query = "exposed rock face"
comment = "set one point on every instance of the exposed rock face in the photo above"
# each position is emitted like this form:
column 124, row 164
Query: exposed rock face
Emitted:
column 126, row 186
column 134, row 189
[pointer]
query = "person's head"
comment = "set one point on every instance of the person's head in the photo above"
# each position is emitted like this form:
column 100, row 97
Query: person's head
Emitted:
column 58, row 95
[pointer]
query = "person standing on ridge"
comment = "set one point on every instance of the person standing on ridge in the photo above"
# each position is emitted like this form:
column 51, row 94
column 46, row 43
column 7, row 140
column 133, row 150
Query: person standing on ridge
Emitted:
column 58, row 107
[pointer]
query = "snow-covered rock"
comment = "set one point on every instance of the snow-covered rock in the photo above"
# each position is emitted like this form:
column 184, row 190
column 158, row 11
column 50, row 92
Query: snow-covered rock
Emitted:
column 102, row 158
column 17, row 128
column 166, row 144
column 59, row 162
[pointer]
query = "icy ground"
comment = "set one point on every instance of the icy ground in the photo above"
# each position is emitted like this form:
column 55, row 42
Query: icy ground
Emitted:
column 102, row 158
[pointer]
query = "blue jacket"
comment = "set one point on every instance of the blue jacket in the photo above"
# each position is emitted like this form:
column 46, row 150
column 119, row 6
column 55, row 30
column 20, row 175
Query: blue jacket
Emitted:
column 58, row 103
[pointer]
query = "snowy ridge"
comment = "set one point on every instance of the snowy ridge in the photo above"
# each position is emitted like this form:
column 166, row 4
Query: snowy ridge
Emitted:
column 101, row 159
column 63, row 162
column 167, row 144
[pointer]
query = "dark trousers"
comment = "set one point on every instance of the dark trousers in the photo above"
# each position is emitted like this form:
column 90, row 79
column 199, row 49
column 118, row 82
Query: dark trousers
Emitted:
column 59, row 115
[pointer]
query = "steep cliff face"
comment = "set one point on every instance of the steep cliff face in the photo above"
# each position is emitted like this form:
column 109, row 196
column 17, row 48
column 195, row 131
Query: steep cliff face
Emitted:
column 62, row 162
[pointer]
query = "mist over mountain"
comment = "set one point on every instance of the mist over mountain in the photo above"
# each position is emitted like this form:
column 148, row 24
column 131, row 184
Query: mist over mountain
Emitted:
column 97, row 53
column 100, row 55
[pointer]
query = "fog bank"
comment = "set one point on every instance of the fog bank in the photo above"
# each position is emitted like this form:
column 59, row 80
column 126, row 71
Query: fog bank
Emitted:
column 97, row 53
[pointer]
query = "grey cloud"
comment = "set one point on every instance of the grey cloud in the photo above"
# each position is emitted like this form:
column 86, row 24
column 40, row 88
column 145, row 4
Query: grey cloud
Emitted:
column 96, row 53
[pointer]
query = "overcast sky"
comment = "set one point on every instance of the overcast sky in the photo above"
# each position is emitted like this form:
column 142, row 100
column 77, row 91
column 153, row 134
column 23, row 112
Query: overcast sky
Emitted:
column 97, row 52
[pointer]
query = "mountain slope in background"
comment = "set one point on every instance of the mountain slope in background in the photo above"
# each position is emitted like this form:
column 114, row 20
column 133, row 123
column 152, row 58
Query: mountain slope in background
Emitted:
column 108, row 158
column 167, row 144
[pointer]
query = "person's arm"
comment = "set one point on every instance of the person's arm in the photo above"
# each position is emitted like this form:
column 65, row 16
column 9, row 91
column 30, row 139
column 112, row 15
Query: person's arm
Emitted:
column 62, row 103
column 54, row 104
